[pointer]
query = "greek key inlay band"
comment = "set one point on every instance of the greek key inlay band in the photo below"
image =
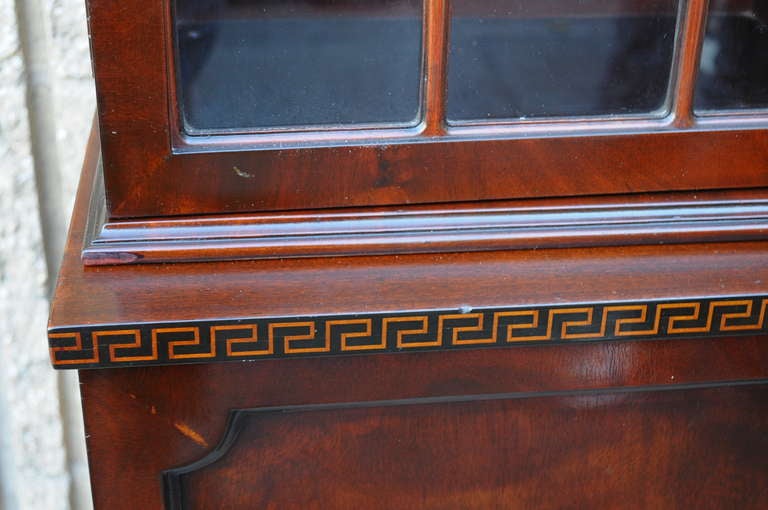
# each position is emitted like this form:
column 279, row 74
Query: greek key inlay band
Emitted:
column 286, row 337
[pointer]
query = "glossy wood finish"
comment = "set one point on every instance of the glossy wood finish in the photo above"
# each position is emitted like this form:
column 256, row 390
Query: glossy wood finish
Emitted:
column 692, row 37
column 144, row 421
column 285, row 287
column 401, row 174
column 436, row 52
column 145, row 177
column 671, row 422
column 654, row 450
column 598, row 211
column 605, row 221
column 495, row 185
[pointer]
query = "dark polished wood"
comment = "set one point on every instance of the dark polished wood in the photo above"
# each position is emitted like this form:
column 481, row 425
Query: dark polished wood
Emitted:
column 314, row 286
column 150, row 171
column 669, row 422
column 654, row 450
column 611, row 424
column 530, row 313
column 690, row 52
column 436, row 53
column 665, row 218
column 435, row 187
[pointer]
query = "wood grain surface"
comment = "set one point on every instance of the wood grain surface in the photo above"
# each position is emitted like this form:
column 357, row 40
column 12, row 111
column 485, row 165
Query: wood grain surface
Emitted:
column 663, row 449
column 671, row 423
column 620, row 448
column 152, row 170
column 316, row 286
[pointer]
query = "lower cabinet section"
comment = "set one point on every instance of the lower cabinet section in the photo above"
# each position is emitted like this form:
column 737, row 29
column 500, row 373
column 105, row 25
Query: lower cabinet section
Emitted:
column 691, row 448
column 655, row 424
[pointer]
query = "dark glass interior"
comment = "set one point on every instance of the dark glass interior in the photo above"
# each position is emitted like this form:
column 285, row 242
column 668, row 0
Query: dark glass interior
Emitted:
column 250, row 65
column 733, row 71
column 543, row 58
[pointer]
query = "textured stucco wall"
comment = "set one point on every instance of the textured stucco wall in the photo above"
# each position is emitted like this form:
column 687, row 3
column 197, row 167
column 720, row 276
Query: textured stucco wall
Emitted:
column 46, row 104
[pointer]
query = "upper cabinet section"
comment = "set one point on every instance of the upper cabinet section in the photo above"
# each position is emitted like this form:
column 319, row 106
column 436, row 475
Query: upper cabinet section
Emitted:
column 261, row 65
column 523, row 59
column 733, row 74
column 267, row 106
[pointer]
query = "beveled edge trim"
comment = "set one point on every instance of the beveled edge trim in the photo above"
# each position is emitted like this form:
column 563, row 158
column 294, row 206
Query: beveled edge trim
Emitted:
column 165, row 343
column 565, row 223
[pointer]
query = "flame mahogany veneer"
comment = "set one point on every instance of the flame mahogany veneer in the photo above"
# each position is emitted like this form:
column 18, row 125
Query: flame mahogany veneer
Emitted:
column 457, row 313
column 673, row 419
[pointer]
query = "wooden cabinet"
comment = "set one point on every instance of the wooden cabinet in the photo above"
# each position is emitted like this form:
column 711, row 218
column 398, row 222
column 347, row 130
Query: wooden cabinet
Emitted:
column 402, row 254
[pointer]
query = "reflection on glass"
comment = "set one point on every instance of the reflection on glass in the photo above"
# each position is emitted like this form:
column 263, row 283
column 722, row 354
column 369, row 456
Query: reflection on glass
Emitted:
column 733, row 71
column 513, row 59
column 246, row 65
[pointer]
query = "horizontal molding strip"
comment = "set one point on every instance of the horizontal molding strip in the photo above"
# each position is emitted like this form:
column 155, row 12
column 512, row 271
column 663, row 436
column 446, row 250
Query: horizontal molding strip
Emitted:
column 205, row 341
column 567, row 223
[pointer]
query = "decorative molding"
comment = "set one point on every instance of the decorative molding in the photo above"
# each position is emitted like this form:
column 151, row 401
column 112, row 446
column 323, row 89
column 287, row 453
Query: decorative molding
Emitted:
column 102, row 346
column 601, row 221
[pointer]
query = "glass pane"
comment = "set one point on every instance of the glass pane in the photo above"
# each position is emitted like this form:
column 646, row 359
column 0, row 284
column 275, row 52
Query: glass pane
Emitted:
column 248, row 65
column 547, row 58
column 733, row 72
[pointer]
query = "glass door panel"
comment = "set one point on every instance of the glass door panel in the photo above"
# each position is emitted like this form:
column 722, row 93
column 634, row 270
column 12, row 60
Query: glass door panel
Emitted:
column 733, row 71
column 256, row 65
column 523, row 59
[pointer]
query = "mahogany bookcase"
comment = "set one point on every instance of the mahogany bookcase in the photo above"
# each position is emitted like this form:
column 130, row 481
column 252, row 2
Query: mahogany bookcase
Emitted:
column 423, row 254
